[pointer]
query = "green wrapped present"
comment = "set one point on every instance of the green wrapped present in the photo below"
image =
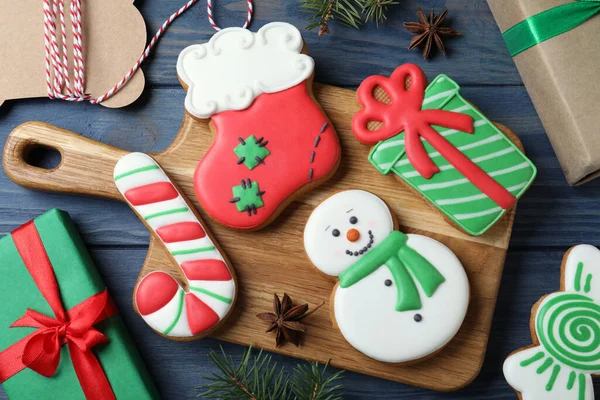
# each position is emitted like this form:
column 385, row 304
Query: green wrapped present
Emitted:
column 60, row 335
column 469, row 169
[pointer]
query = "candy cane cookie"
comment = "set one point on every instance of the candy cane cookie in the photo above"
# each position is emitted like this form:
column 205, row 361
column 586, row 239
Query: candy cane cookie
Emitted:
column 162, row 302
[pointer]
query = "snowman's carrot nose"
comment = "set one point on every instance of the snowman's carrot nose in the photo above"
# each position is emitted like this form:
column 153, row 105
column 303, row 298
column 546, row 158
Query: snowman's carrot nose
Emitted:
column 352, row 235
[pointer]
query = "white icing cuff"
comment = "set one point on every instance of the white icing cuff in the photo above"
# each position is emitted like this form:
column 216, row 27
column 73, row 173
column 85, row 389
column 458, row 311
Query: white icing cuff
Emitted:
column 236, row 66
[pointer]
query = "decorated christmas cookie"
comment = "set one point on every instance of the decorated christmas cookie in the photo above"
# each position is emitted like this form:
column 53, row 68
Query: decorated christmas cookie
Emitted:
column 207, row 296
column 442, row 147
column 272, row 139
column 400, row 298
column 566, row 334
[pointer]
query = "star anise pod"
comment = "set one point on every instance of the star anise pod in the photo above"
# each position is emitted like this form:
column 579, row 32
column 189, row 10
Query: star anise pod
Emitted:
column 429, row 29
column 285, row 320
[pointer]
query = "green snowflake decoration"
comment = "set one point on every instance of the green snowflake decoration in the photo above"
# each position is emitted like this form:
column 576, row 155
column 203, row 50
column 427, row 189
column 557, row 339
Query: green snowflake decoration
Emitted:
column 251, row 151
column 247, row 196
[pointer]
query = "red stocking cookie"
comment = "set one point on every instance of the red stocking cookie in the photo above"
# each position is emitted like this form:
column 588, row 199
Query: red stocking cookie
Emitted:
column 272, row 139
column 167, row 307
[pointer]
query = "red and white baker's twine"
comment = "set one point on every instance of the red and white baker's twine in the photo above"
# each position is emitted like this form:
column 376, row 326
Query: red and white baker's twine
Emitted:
column 57, row 57
column 212, row 20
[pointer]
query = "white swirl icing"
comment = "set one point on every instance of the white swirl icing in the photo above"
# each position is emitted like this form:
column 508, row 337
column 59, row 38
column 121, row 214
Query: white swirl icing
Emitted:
column 236, row 66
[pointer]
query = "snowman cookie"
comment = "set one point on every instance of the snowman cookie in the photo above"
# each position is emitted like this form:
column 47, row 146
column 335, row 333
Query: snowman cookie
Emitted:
column 273, row 141
column 565, row 327
column 400, row 298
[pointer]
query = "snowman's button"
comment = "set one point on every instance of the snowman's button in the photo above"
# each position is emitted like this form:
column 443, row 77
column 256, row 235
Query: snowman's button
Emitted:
column 388, row 282
column 418, row 318
column 352, row 235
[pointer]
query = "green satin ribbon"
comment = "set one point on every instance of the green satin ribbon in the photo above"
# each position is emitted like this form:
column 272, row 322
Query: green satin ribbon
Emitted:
column 548, row 24
column 406, row 266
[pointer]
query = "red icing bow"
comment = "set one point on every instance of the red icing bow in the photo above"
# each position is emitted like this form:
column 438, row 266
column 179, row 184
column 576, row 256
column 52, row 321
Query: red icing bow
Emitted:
column 405, row 114
column 40, row 351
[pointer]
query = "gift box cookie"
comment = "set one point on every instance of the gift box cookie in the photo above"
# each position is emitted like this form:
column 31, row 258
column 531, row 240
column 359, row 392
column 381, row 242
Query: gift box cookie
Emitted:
column 51, row 294
column 443, row 147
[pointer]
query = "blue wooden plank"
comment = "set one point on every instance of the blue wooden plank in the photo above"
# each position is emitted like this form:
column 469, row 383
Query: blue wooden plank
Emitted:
column 347, row 56
column 177, row 367
column 344, row 58
column 152, row 123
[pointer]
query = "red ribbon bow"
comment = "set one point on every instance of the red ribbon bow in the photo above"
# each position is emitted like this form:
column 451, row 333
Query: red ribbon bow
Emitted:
column 40, row 351
column 405, row 114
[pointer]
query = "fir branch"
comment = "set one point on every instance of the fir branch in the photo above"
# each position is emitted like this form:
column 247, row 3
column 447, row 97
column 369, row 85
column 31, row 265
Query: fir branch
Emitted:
column 311, row 383
column 255, row 378
column 375, row 10
column 259, row 378
column 351, row 13
column 322, row 12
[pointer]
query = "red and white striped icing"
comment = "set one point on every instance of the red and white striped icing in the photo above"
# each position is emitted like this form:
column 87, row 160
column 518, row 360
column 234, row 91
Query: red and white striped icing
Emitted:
column 161, row 301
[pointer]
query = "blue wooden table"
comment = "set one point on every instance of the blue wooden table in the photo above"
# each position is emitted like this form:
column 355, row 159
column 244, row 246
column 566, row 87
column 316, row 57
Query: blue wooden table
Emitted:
column 550, row 218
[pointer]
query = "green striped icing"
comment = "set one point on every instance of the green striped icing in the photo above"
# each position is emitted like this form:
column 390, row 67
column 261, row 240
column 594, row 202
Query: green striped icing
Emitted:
column 166, row 212
column 136, row 171
column 211, row 294
column 192, row 251
column 582, row 385
column 448, row 190
column 179, row 312
column 571, row 381
column 552, row 380
column 538, row 356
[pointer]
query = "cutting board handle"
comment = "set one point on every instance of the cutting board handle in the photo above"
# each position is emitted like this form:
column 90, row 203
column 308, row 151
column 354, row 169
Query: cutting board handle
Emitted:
column 86, row 166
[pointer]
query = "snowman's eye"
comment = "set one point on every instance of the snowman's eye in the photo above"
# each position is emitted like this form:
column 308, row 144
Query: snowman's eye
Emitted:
column 353, row 220
column 335, row 233
column 418, row 318
column 388, row 282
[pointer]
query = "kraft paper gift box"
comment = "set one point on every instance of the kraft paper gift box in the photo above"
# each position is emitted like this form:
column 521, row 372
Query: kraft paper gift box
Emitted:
column 52, row 243
column 561, row 76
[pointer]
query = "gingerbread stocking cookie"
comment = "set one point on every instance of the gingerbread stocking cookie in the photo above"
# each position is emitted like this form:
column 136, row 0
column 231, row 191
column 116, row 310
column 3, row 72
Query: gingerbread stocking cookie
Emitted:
column 178, row 312
column 272, row 139
column 400, row 298
column 565, row 327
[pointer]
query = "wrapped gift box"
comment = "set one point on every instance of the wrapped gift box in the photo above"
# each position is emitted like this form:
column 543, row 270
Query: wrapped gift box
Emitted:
column 560, row 75
column 78, row 281
column 448, row 190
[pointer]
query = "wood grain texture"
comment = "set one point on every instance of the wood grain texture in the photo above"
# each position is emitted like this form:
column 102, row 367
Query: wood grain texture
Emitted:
column 273, row 260
column 551, row 217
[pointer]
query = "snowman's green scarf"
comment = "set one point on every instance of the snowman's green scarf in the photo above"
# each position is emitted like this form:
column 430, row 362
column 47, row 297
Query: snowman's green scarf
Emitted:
column 406, row 265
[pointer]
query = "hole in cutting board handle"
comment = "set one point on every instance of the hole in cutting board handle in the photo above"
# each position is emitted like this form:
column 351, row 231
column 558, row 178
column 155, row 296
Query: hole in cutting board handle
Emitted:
column 41, row 156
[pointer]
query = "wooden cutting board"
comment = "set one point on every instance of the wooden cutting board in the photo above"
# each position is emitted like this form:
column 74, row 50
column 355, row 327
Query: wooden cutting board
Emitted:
column 273, row 260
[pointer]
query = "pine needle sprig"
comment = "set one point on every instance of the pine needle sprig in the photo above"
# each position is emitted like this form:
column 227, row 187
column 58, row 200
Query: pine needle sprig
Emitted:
column 322, row 12
column 375, row 10
column 257, row 377
column 351, row 13
column 311, row 383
